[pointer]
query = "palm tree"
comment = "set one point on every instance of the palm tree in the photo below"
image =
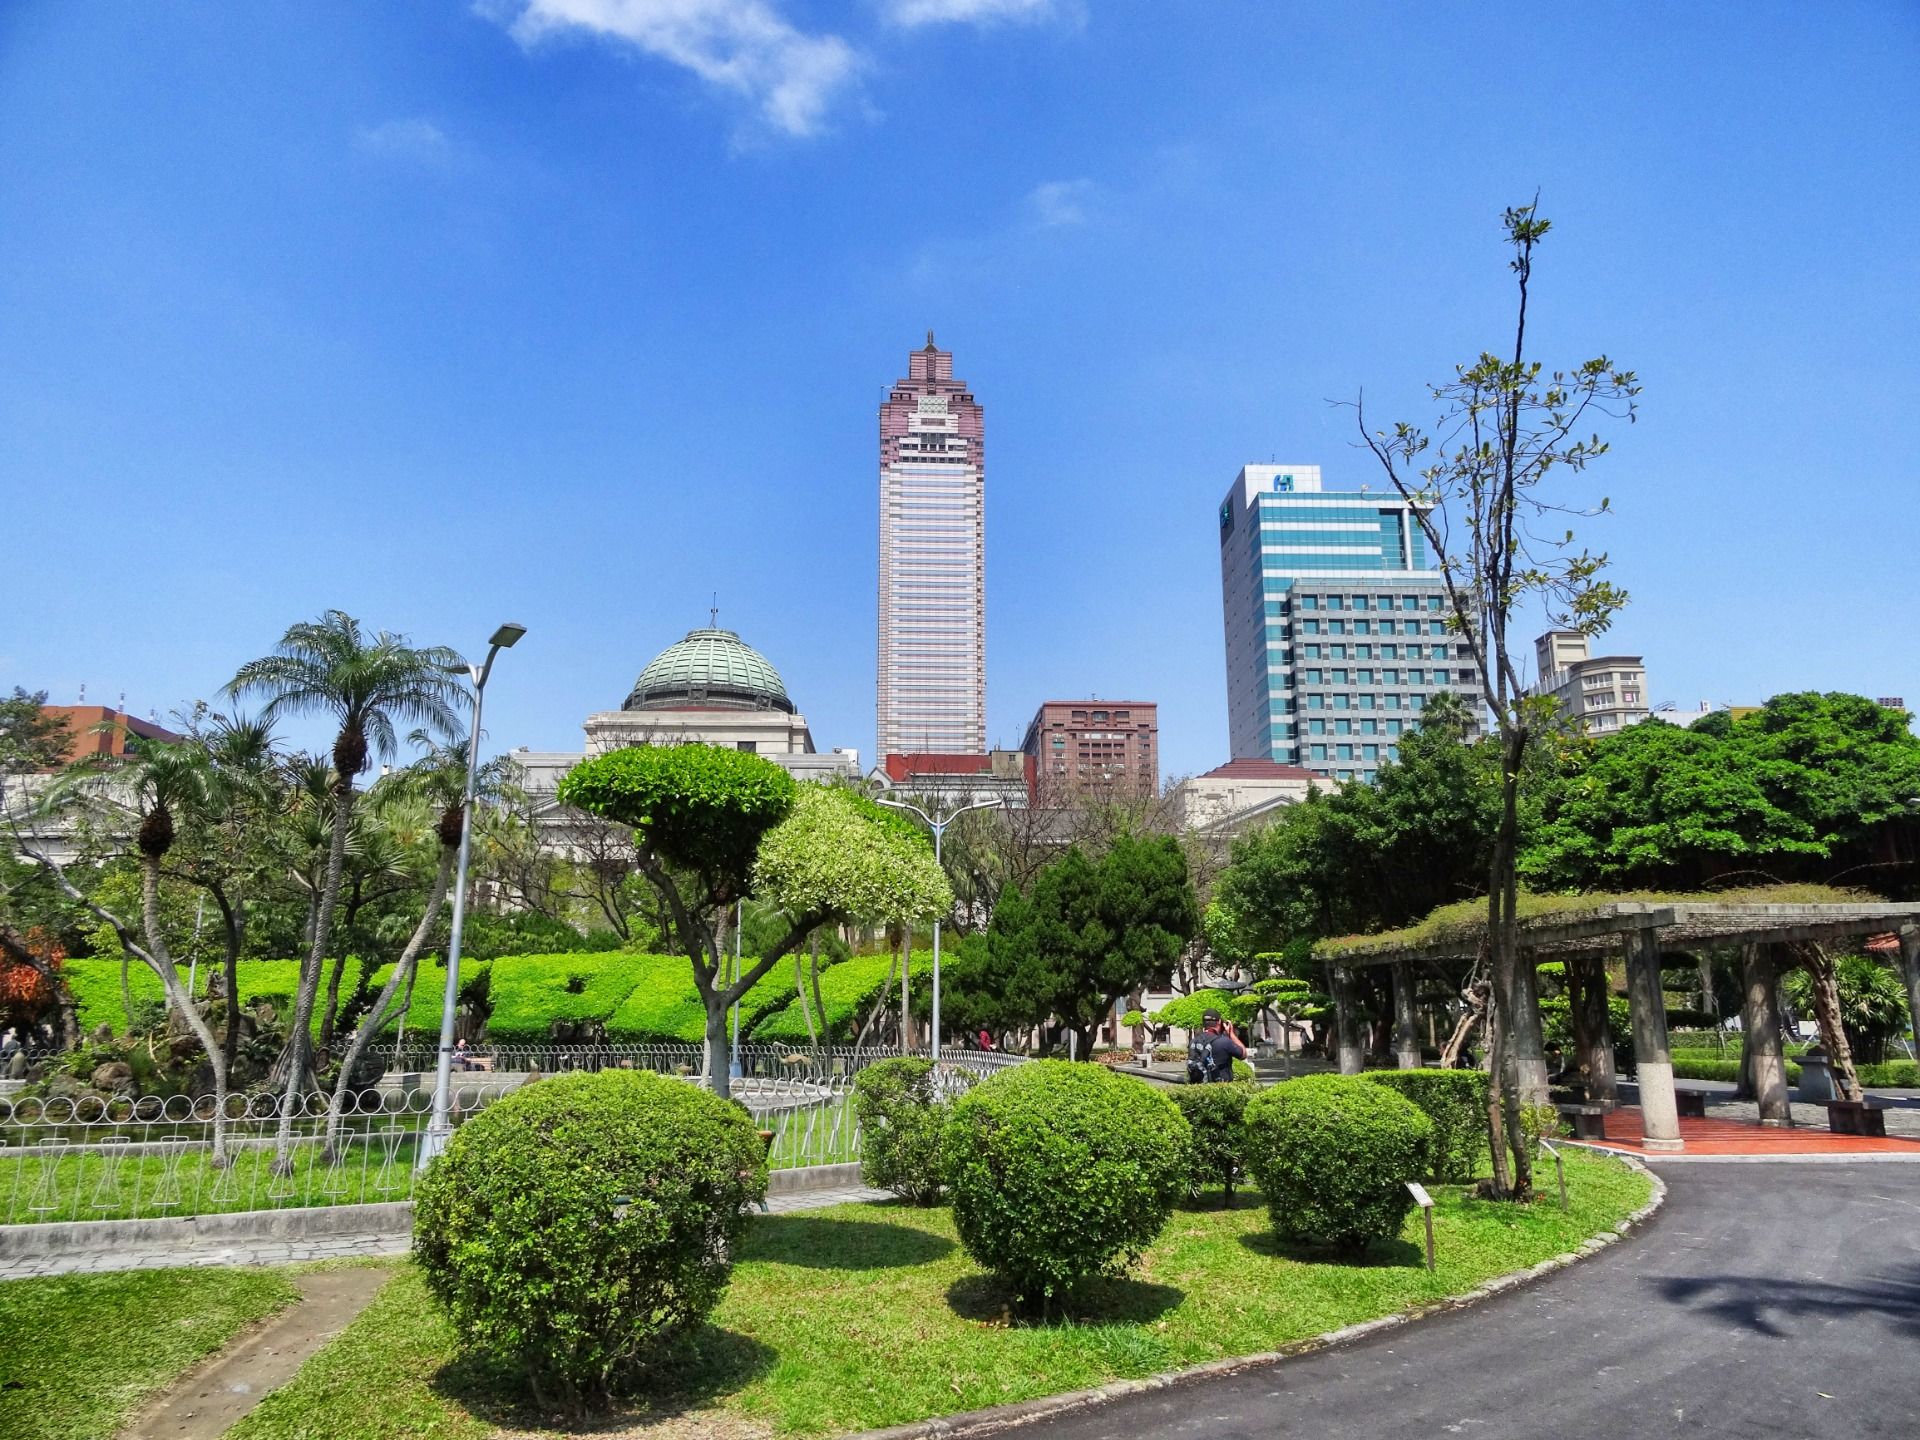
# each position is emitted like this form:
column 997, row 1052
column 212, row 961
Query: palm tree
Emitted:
column 437, row 781
column 330, row 666
column 161, row 778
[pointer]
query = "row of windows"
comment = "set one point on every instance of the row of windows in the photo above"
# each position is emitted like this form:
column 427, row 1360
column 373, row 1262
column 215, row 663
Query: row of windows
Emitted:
column 1384, row 677
column 1371, row 627
column 1387, row 652
column 1368, row 602
column 1364, row 702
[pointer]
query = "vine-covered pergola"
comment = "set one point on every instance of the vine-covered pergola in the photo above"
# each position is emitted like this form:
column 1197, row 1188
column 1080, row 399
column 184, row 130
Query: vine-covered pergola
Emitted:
column 1639, row 930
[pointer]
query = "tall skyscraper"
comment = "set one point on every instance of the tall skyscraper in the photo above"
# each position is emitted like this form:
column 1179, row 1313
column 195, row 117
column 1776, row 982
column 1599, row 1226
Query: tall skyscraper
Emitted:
column 933, row 563
column 1335, row 621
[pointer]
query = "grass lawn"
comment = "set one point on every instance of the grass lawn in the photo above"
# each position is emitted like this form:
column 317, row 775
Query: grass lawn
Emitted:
column 871, row 1315
column 78, row 1353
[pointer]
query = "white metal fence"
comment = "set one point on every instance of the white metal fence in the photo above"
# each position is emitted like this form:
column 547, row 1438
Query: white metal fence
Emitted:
column 125, row 1158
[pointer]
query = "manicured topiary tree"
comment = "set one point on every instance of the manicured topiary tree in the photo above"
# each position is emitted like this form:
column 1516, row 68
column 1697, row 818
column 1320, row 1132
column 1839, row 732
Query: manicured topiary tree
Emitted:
column 712, row 826
column 1332, row 1154
column 1217, row 1116
column 1061, row 1171
column 901, row 1116
column 1456, row 1102
column 579, row 1219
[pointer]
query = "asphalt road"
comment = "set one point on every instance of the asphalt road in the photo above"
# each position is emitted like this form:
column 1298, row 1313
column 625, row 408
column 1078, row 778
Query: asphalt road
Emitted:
column 1762, row 1300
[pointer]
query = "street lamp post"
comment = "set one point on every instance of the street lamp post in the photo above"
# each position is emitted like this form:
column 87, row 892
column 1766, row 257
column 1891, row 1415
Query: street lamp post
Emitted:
column 437, row 1125
column 937, row 823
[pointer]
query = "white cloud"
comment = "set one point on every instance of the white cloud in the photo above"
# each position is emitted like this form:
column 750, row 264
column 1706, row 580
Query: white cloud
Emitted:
column 420, row 141
column 745, row 47
column 965, row 12
column 1061, row 202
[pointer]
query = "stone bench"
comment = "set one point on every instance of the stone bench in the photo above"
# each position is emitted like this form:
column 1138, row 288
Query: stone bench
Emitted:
column 1589, row 1121
column 1690, row 1102
column 1856, row 1117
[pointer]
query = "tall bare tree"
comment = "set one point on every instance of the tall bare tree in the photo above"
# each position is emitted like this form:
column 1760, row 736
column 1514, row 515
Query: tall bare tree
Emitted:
column 1487, row 502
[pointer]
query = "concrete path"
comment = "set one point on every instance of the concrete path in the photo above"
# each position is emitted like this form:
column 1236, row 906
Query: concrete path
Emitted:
column 1762, row 1300
column 330, row 1247
column 212, row 1397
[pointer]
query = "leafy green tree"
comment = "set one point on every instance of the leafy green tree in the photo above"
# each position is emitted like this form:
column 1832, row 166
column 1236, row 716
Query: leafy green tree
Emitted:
column 368, row 685
column 30, row 738
column 713, row 826
column 1483, row 502
column 1870, row 1001
column 1089, row 932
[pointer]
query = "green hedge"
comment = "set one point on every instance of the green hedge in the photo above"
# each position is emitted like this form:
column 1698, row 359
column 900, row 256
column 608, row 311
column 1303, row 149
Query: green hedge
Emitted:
column 848, row 990
column 1891, row 1074
column 1216, row 1114
column 1456, row 1102
column 665, row 1005
column 94, row 983
column 530, row 992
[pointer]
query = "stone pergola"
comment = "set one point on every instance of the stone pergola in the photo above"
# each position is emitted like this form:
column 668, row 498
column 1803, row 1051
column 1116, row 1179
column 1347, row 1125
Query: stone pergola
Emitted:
column 1639, row 930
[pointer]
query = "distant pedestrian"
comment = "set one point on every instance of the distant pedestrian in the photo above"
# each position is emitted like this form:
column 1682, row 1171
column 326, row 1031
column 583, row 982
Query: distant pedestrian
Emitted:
column 1211, row 1053
column 986, row 1039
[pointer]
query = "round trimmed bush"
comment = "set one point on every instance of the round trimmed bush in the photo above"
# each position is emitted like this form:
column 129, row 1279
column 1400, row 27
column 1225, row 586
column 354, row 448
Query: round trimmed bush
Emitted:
column 576, row 1220
column 1060, row 1170
column 1332, row 1154
column 901, row 1115
column 1217, row 1116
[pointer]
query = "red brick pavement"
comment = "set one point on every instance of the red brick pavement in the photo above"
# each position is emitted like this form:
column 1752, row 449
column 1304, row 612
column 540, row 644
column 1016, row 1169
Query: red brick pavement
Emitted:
column 1740, row 1137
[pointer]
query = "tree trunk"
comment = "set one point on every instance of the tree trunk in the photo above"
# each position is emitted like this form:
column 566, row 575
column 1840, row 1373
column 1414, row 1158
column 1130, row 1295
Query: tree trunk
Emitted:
column 1826, row 1013
column 800, row 990
column 1594, row 1027
column 1522, row 1074
column 126, row 989
column 718, row 1057
column 328, row 1015
column 819, row 1005
column 906, row 969
column 378, row 1016
column 161, row 962
column 299, row 1038
column 1762, row 1062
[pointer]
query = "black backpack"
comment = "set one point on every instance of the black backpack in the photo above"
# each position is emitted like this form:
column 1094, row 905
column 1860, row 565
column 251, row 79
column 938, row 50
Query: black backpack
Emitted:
column 1201, row 1061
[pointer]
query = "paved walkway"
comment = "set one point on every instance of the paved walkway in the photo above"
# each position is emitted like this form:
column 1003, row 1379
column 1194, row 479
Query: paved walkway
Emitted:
column 1761, row 1300
column 1721, row 1136
column 332, row 1247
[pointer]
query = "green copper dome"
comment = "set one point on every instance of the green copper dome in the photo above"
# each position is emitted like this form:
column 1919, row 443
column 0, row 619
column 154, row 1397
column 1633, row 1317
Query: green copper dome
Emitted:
column 710, row 669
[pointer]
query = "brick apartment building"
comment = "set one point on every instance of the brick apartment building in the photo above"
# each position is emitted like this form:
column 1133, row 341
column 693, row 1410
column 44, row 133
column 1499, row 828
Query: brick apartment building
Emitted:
column 1095, row 745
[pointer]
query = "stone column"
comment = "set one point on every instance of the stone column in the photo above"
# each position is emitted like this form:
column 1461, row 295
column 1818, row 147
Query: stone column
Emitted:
column 1760, row 1033
column 1346, row 1023
column 1596, row 1027
column 1910, row 970
column 1406, row 1034
column 1659, row 1115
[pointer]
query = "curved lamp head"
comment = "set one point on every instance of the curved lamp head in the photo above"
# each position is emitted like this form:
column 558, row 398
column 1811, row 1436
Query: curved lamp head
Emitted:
column 507, row 634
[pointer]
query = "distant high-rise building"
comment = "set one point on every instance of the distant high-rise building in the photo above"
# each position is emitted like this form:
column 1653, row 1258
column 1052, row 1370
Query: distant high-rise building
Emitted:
column 1336, row 623
column 933, row 563
column 1604, row 692
column 1080, row 745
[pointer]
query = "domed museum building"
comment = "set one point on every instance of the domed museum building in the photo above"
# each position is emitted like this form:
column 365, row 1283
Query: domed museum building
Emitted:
column 711, row 687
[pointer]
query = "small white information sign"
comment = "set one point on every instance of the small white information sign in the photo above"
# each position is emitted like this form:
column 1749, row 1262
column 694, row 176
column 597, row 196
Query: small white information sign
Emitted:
column 1419, row 1193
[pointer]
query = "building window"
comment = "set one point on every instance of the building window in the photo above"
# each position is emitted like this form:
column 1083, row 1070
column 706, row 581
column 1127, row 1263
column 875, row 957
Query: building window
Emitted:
column 1343, row 752
column 1316, row 727
column 1336, row 602
column 1369, row 727
column 1309, row 602
column 1319, row 752
column 1343, row 727
column 749, row 746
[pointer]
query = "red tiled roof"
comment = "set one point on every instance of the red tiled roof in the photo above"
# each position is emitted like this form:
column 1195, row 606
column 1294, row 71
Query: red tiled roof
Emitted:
column 899, row 767
column 1258, row 770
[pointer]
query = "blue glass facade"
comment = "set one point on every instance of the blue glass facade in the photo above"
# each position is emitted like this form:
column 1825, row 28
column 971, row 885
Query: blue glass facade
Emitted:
column 1337, row 634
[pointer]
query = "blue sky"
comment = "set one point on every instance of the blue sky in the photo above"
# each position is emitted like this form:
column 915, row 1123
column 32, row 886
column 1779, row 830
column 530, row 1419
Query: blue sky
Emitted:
column 576, row 311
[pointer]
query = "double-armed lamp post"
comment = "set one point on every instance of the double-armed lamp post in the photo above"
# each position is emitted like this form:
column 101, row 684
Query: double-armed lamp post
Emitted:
column 437, row 1125
column 937, row 823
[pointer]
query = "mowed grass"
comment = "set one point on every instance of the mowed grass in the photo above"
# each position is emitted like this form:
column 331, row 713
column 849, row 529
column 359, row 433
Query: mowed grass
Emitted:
column 871, row 1315
column 79, row 1353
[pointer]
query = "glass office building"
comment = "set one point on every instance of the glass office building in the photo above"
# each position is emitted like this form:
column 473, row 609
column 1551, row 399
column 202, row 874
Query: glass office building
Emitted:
column 1336, row 623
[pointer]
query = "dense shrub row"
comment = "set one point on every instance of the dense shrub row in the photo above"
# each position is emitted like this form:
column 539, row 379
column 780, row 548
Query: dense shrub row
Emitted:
column 1455, row 1101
